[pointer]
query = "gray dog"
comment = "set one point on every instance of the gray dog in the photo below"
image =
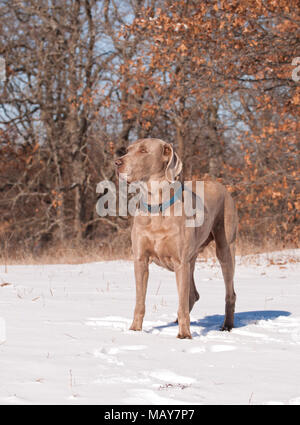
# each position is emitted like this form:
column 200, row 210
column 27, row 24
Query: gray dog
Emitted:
column 165, row 238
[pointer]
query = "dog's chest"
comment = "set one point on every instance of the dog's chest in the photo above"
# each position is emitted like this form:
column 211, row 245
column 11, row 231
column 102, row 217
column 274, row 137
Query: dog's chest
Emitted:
column 164, row 250
column 160, row 239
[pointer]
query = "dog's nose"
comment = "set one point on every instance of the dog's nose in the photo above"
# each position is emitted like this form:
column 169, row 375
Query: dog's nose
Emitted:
column 118, row 162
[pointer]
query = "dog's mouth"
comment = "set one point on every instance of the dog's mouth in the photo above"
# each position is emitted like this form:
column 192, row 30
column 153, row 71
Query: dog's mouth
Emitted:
column 119, row 170
column 123, row 175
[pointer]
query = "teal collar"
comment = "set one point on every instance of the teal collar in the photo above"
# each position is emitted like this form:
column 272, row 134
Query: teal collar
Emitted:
column 154, row 209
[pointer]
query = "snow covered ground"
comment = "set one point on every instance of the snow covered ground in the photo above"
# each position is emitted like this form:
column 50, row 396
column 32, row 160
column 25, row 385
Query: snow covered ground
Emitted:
column 67, row 337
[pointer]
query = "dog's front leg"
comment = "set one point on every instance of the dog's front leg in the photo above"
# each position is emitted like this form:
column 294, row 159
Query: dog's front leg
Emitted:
column 183, row 277
column 141, row 272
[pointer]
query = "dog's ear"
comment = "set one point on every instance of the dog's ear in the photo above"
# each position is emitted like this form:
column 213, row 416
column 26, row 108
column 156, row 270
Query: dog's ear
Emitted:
column 174, row 165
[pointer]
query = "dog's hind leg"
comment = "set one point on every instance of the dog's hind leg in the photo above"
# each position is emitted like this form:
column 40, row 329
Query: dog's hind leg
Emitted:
column 225, row 233
column 226, row 255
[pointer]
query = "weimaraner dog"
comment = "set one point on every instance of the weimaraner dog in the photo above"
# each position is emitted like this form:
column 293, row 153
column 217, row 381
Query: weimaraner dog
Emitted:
column 165, row 238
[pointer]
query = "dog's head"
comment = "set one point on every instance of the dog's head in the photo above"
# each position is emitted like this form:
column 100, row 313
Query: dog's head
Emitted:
column 148, row 159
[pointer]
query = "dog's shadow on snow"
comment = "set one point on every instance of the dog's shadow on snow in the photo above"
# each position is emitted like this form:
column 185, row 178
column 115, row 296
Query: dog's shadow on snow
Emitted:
column 215, row 321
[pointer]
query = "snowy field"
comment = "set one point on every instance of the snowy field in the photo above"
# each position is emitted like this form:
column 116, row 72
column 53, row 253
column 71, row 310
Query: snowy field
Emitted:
column 67, row 339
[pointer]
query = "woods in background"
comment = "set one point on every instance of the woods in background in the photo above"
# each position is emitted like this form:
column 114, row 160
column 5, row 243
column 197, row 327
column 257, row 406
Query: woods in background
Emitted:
column 84, row 78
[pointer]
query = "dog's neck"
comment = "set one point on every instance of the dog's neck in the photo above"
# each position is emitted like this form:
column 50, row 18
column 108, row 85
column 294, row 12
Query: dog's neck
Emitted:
column 159, row 191
column 155, row 187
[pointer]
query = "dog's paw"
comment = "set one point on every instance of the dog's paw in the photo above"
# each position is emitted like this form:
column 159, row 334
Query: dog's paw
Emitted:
column 184, row 335
column 135, row 327
column 226, row 328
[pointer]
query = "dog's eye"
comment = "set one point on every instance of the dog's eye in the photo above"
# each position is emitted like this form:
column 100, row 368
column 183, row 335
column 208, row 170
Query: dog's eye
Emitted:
column 143, row 150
